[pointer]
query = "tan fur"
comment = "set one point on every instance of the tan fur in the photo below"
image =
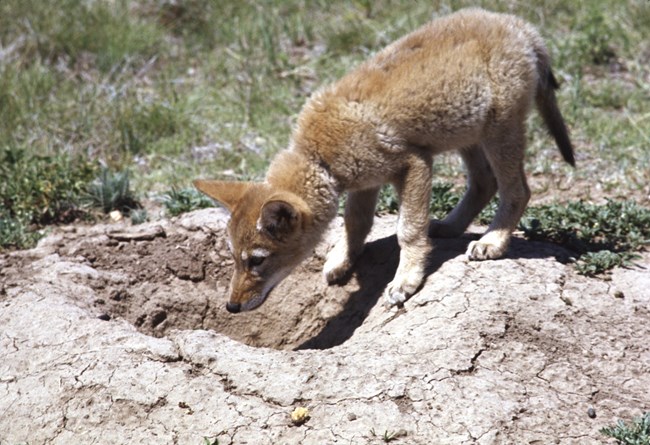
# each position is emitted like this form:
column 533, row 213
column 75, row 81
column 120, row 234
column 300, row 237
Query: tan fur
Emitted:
column 463, row 82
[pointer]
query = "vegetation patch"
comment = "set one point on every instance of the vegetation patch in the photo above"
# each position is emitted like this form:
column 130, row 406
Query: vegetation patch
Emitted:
column 111, row 191
column 37, row 190
column 636, row 432
column 171, row 91
column 604, row 236
column 177, row 201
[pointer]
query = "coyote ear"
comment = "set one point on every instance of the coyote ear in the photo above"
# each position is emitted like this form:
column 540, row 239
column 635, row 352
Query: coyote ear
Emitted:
column 279, row 219
column 228, row 193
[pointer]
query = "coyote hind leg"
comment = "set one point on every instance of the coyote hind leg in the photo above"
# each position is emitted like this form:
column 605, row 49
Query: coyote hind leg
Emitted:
column 505, row 153
column 481, row 187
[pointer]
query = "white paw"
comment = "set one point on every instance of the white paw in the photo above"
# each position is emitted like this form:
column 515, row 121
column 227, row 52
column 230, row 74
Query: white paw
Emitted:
column 394, row 296
column 334, row 272
column 338, row 264
column 480, row 250
column 401, row 288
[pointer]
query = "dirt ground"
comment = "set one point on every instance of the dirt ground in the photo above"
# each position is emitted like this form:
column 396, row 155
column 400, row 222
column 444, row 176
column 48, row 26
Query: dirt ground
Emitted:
column 119, row 334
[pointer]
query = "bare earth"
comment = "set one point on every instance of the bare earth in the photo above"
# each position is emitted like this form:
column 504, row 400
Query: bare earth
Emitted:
column 114, row 334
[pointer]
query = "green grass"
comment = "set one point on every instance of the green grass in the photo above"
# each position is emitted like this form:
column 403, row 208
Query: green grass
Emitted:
column 636, row 432
column 175, row 90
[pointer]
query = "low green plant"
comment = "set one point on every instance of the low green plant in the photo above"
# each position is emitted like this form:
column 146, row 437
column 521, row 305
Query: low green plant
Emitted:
column 41, row 189
column 443, row 200
column 596, row 263
column 178, row 201
column 37, row 190
column 387, row 436
column 138, row 216
column 604, row 236
column 635, row 433
column 387, row 202
column 210, row 440
column 15, row 233
column 111, row 191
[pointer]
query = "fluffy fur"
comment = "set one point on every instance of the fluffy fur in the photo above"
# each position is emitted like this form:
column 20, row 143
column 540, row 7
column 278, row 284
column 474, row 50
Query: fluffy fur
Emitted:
column 464, row 82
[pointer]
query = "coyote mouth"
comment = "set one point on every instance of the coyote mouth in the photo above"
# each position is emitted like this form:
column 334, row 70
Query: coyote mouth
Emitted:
column 260, row 298
column 256, row 302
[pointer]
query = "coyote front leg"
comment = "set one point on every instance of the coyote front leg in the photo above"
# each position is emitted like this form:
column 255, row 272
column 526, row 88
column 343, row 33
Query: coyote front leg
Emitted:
column 359, row 215
column 414, row 189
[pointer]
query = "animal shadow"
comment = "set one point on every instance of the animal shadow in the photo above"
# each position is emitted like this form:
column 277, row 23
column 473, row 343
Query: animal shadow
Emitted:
column 374, row 269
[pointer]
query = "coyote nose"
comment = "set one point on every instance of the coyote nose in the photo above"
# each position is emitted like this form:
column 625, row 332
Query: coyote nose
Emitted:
column 233, row 308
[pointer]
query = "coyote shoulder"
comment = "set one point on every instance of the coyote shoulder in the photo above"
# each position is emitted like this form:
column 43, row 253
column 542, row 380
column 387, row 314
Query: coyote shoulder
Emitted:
column 463, row 82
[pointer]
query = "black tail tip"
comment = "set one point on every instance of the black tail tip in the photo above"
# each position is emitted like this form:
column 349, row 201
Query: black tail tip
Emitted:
column 552, row 81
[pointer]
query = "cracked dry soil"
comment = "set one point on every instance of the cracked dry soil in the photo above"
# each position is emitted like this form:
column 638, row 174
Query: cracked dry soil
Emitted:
column 117, row 334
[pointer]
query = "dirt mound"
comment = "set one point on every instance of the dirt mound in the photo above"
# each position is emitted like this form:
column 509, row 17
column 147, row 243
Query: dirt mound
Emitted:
column 119, row 334
column 168, row 276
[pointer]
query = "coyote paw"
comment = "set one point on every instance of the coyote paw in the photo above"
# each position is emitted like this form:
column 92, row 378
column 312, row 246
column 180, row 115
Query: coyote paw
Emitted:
column 335, row 273
column 399, row 289
column 338, row 264
column 480, row 250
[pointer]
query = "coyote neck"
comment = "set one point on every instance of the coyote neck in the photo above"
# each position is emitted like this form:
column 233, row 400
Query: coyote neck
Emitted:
column 310, row 179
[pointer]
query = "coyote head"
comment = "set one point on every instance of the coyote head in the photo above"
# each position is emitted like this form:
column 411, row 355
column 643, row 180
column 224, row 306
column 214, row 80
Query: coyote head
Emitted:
column 267, row 237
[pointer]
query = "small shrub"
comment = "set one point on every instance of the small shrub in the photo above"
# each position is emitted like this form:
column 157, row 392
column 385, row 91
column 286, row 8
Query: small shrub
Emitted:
column 15, row 233
column 184, row 200
column 111, row 191
column 42, row 189
column 636, row 433
column 38, row 190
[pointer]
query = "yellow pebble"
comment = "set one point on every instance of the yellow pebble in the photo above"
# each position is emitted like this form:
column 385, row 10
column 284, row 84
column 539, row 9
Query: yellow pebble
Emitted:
column 299, row 415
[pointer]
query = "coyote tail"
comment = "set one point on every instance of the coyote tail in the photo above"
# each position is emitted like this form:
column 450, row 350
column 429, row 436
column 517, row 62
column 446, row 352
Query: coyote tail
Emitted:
column 547, row 106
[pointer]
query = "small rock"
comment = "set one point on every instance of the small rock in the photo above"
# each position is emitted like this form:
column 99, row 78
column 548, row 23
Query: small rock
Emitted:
column 104, row 317
column 352, row 417
column 116, row 215
column 591, row 413
column 619, row 294
column 299, row 415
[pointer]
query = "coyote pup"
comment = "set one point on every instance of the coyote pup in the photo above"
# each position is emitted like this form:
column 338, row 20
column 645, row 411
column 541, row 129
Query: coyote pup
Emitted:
column 463, row 82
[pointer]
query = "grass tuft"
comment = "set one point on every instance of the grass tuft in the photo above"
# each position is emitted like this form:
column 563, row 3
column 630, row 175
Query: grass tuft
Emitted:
column 112, row 191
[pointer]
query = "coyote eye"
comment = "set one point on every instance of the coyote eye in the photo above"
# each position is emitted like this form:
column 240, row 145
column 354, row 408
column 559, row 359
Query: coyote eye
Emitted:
column 256, row 260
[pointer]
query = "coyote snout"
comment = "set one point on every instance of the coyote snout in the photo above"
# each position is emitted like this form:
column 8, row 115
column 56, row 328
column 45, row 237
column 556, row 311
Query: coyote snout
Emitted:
column 464, row 82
